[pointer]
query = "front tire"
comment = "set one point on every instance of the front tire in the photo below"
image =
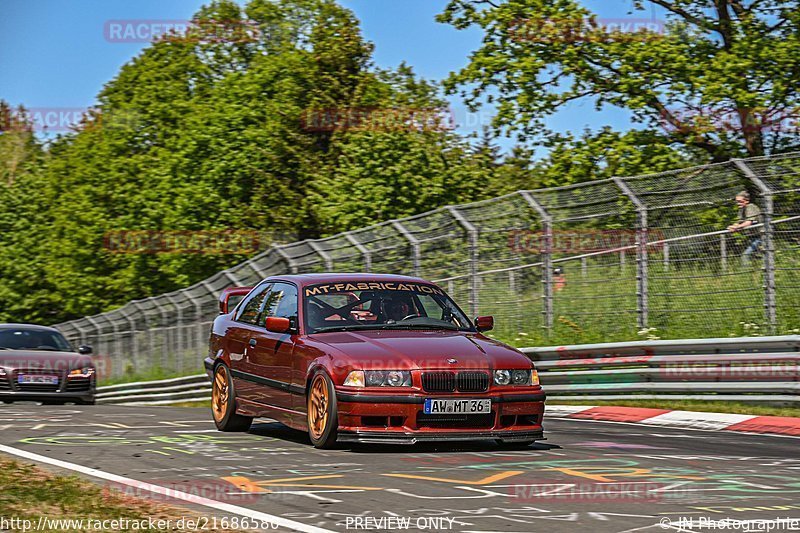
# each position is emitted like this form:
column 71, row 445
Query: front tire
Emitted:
column 323, row 416
column 223, row 403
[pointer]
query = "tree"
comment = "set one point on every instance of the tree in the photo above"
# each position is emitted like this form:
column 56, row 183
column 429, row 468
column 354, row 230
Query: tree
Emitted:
column 721, row 77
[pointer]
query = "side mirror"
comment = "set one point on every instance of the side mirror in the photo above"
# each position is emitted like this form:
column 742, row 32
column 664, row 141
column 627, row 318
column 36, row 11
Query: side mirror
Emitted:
column 84, row 349
column 484, row 323
column 277, row 324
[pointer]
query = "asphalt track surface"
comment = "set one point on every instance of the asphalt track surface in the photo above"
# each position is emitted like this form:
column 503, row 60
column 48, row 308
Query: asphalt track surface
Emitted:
column 587, row 476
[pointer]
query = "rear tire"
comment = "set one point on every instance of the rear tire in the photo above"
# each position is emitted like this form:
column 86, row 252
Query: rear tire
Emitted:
column 223, row 403
column 8, row 401
column 323, row 415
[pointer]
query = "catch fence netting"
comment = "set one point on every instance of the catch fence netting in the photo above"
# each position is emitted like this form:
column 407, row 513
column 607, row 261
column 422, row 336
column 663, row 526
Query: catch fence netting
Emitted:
column 619, row 259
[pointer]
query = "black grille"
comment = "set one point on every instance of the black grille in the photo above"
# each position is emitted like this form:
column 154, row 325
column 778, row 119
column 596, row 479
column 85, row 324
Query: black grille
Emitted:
column 37, row 387
column 439, row 381
column 4, row 384
column 472, row 381
column 455, row 421
column 78, row 384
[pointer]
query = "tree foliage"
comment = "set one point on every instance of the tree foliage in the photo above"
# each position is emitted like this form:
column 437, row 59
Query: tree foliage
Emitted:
column 722, row 78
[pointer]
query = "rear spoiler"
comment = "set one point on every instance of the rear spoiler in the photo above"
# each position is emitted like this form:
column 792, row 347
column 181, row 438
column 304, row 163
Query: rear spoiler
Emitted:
column 225, row 297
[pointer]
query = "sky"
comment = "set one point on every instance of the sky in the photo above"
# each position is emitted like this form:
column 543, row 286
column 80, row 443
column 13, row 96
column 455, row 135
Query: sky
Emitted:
column 56, row 56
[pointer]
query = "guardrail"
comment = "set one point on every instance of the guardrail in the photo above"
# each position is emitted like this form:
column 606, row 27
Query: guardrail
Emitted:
column 763, row 369
column 751, row 369
column 195, row 388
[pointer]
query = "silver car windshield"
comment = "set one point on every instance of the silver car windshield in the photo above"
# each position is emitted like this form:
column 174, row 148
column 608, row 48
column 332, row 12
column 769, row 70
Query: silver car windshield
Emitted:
column 33, row 339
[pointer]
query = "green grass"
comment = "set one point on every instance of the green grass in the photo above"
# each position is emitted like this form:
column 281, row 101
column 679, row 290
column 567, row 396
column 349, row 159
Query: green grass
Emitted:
column 687, row 300
column 28, row 492
column 153, row 374
column 696, row 405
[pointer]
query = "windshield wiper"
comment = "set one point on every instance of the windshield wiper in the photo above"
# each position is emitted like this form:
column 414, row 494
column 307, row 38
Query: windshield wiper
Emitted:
column 351, row 327
column 400, row 325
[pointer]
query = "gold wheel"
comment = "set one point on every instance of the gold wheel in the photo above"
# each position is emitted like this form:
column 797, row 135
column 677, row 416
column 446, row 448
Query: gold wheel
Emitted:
column 318, row 403
column 219, row 393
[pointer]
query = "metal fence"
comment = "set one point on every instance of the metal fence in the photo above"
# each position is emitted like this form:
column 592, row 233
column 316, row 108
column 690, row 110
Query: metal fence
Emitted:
column 618, row 259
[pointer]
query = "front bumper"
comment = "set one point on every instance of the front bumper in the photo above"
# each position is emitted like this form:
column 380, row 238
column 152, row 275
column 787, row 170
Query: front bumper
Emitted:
column 395, row 437
column 24, row 396
column 399, row 419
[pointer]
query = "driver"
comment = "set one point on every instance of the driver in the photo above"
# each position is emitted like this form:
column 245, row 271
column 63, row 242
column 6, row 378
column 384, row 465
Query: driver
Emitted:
column 398, row 308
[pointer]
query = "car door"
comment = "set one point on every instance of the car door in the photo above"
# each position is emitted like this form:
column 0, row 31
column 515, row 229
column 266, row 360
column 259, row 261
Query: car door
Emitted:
column 271, row 357
column 239, row 336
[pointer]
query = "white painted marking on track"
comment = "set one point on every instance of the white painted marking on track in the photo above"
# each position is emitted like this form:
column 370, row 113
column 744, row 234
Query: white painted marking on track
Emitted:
column 164, row 491
column 697, row 420
column 720, row 433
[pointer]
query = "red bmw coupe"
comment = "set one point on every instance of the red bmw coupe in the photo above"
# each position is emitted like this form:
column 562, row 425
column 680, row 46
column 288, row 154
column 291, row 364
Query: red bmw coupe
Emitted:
column 367, row 358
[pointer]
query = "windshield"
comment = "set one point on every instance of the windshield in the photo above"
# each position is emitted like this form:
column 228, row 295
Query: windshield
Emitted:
column 33, row 339
column 373, row 305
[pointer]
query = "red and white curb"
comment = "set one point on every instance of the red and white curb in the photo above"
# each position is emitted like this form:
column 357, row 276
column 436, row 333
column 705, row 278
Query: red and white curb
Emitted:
column 778, row 425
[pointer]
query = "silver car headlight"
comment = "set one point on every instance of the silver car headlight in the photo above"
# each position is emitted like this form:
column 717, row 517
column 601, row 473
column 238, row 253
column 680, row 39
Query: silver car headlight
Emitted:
column 84, row 372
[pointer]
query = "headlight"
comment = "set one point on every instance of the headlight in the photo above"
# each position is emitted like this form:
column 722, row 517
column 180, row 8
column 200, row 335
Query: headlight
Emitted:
column 82, row 372
column 388, row 378
column 2, row 371
column 516, row 377
column 502, row 377
column 355, row 379
column 521, row 377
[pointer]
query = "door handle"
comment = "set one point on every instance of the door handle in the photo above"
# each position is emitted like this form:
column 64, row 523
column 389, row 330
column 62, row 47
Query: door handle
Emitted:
column 253, row 343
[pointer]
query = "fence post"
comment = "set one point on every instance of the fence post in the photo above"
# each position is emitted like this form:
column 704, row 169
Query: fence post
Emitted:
column 642, row 276
column 289, row 261
column 361, row 248
column 723, row 252
column 134, row 345
column 473, row 235
column 326, row 258
column 770, row 304
column 414, row 244
column 547, row 257
column 178, row 341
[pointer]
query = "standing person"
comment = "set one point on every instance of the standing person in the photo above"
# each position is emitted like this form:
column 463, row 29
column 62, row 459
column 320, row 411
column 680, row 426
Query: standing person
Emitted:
column 749, row 214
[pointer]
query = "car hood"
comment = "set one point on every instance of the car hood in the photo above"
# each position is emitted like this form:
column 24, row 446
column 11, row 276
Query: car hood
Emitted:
column 418, row 349
column 42, row 360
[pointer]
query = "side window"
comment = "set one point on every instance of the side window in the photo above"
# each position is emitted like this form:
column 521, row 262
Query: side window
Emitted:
column 249, row 310
column 282, row 301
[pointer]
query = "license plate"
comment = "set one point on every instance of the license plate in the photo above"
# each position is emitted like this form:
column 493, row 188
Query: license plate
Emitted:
column 38, row 379
column 434, row 406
